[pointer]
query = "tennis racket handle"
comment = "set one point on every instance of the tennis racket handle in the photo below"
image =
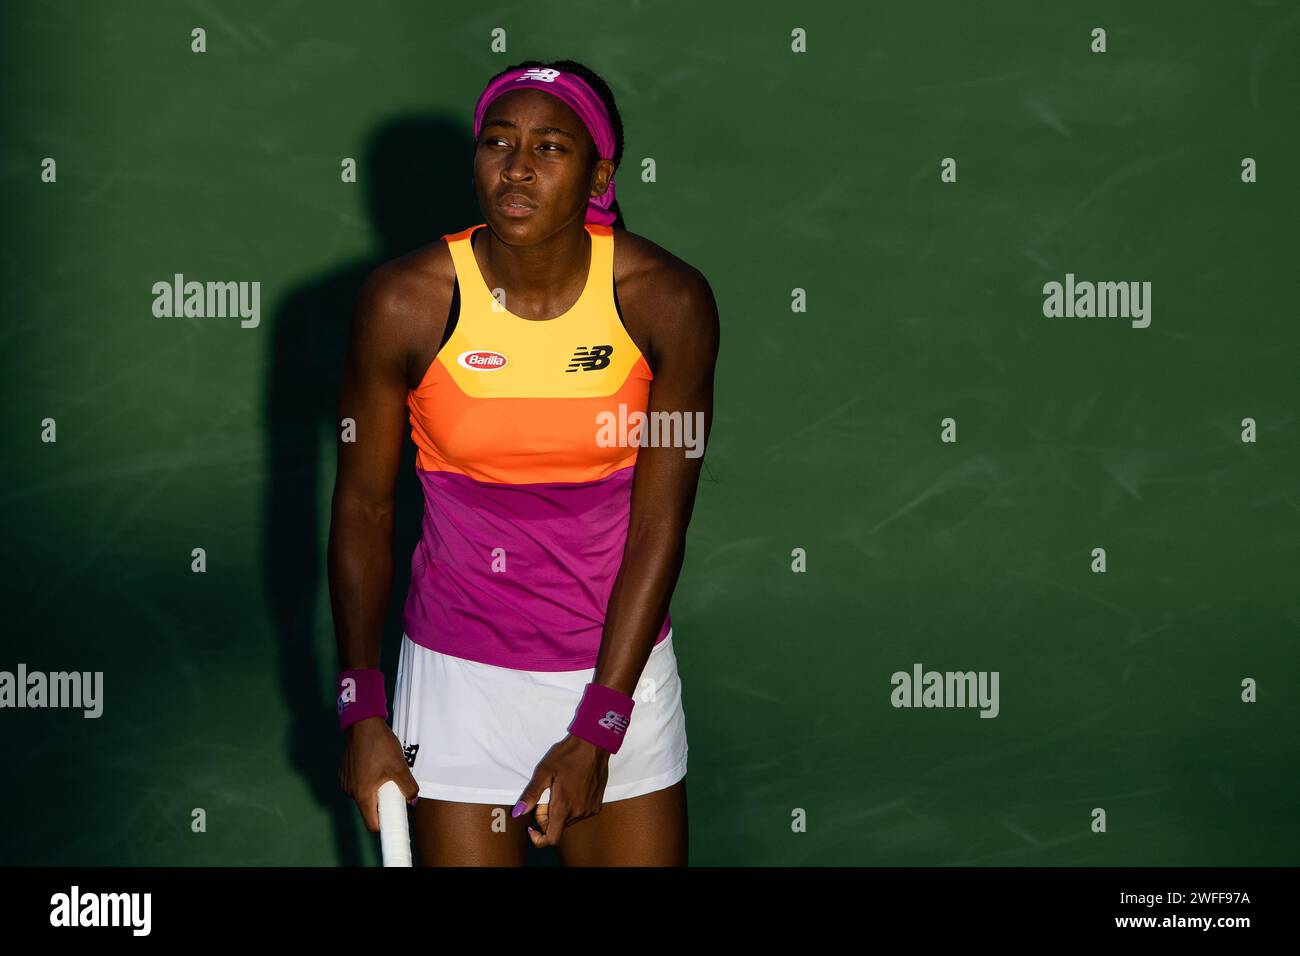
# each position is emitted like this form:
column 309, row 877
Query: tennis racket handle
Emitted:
column 394, row 829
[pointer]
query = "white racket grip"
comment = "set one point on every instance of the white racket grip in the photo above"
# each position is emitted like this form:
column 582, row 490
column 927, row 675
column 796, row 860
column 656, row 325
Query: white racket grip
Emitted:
column 394, row 830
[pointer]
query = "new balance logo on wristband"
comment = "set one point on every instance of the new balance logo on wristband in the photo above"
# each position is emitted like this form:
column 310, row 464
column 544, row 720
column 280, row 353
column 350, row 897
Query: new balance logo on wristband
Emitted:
column 348, row 695
column 361, row 696
column 613, row 721
column 602, row 717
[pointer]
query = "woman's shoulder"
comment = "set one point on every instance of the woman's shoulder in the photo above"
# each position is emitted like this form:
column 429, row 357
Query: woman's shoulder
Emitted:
column 666, row 302
column 418, row 281
column 650, row 273
column 406, row 301
column 645, row 268
column 426, row 265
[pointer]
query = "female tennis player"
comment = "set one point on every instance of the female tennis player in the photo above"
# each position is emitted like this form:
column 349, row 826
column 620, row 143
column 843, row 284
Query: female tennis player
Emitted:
column 558, row 375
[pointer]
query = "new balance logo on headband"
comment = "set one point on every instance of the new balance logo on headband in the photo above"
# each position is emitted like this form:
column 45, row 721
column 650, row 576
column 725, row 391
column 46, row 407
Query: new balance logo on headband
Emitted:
column 613, row 721
column 536, row 73
column 590, row 360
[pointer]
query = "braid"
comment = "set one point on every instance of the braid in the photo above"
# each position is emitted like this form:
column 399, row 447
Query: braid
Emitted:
column 607, row 97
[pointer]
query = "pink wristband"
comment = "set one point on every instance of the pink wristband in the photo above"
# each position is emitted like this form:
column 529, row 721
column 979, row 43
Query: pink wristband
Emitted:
column 361, row 695
column 603, row 717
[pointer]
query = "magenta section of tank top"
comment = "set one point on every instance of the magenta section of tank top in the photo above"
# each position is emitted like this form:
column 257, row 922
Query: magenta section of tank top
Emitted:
column 518, row 575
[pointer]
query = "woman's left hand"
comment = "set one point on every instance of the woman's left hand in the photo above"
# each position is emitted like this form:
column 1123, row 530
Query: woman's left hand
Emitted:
column 575, row 770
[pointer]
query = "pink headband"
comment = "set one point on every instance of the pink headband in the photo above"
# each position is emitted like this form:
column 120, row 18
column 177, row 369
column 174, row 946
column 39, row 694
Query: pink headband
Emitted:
column 578, row 93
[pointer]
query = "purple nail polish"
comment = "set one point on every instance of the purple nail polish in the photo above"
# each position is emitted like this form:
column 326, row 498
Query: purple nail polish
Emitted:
column 519, row 808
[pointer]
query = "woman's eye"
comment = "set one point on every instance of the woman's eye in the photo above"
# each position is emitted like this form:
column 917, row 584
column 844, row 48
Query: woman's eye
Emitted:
column 496, row 139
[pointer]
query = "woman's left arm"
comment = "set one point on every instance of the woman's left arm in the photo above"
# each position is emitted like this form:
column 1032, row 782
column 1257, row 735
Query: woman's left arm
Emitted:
column 683, row 342
column 684, row 350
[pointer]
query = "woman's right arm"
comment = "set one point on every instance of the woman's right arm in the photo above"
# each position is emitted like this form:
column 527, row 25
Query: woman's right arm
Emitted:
column 371, row 423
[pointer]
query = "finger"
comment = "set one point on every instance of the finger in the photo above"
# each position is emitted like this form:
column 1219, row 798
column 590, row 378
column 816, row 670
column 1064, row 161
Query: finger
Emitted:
column 369, row 807
column 528, row 799
column 545, row 816
column 550, row 834
column 411, row 789
column 555, row 828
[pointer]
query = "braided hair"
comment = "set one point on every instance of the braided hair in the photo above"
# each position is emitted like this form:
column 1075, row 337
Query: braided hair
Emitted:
column 607, row 97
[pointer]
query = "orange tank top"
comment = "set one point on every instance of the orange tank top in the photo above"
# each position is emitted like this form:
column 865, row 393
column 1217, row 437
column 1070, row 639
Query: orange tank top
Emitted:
column 526, row 496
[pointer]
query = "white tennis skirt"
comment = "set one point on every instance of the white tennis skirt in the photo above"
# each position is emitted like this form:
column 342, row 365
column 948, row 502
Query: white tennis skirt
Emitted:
column 475, row 732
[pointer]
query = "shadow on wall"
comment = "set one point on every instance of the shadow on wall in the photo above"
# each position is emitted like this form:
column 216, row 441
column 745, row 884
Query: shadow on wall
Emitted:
column 418, row 173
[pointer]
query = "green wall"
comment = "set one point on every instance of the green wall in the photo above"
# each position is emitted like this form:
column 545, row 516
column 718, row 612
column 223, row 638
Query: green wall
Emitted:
column 776, row 170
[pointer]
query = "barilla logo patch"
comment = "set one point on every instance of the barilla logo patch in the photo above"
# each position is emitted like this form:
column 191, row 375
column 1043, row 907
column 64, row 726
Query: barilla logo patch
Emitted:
column 481, row 360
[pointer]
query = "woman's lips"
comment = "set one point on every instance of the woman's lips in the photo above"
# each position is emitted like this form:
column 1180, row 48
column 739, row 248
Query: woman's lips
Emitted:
column 516, row 210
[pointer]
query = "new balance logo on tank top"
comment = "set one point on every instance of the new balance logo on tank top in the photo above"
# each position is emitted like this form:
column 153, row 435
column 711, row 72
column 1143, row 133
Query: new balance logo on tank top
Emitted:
column 525, row 513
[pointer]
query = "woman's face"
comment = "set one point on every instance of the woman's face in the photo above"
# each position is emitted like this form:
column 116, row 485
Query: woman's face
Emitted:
column 533, row 145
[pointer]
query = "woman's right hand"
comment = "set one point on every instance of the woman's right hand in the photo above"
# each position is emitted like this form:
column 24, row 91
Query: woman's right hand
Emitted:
column 372, row 754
